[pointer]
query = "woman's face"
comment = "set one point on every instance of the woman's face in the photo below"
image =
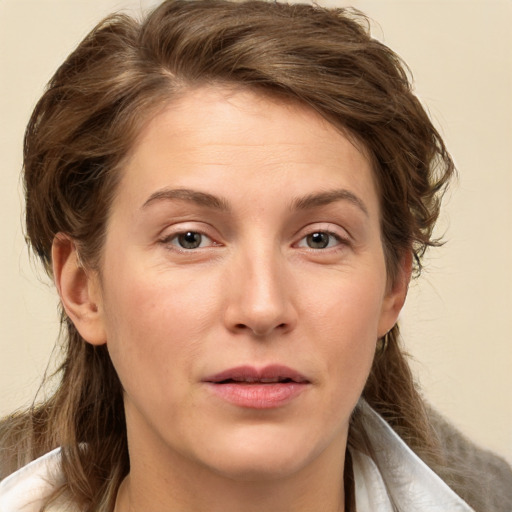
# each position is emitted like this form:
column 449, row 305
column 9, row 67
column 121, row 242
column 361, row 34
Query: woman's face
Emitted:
column 243, row 286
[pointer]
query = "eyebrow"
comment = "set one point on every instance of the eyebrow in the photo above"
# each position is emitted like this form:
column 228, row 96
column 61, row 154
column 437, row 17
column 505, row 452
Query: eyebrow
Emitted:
column 193, row 196
column 328, row 197
column 210, row 201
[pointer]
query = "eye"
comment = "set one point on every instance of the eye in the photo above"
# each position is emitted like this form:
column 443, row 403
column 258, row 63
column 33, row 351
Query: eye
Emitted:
column 189, row 240
column 319, row 240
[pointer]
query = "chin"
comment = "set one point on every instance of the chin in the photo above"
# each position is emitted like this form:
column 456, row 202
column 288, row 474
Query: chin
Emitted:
column 261, row 469
column 263, row 457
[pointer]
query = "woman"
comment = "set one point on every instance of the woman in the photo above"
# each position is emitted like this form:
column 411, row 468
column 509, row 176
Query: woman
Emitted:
column 231, row 213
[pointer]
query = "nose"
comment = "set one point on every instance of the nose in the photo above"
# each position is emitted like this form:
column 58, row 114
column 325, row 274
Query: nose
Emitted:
column 260, row 297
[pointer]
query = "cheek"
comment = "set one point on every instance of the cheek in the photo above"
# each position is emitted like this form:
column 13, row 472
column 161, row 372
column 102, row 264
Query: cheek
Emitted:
column 346, row 317
column 347, row 306
column 154, row 323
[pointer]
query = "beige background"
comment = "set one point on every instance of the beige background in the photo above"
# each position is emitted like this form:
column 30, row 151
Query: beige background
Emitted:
column 458, row 320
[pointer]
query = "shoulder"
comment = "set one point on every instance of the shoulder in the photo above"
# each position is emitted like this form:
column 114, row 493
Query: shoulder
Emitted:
column 395, row 471
column 483, row 478
column 27, row 489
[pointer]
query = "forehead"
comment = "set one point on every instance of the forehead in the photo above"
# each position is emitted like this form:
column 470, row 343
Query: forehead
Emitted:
column 210, row 132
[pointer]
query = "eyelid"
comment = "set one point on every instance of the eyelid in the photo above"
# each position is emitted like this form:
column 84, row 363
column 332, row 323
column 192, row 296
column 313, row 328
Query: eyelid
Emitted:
column 174, row 237
column 173, row 232
column 338, row 242
column 341, row 234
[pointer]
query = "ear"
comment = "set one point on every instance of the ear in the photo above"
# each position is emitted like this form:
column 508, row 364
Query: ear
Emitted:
column 395, row 295
column 79, row 290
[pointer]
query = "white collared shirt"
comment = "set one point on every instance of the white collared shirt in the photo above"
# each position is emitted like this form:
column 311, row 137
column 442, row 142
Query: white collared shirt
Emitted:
column 397, row 476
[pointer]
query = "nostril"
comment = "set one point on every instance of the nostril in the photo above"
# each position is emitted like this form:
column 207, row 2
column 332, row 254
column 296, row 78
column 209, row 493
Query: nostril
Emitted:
column 261, row 330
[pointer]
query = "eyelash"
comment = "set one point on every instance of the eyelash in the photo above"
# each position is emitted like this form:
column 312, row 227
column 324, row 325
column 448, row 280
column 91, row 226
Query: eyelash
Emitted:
column 332, row 236
column 168, row 240
column 173, row 240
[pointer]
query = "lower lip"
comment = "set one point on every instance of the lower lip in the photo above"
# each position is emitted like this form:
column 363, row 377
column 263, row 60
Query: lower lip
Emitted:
column 258, row 396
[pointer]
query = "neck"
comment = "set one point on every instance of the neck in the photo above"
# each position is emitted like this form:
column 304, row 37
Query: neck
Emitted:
column 253, row 498
column 180, row 485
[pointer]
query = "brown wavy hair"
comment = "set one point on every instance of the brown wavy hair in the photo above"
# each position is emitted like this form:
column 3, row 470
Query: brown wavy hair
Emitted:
column 84, row 125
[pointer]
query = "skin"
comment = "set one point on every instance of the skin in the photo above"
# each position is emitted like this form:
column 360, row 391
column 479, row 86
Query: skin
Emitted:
column 254, row 292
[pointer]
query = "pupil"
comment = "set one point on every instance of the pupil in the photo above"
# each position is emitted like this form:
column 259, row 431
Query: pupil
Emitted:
column 318, row 240
column 190, row 240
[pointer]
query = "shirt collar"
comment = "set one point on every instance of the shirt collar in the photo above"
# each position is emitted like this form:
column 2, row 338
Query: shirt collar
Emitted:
column 397, row 477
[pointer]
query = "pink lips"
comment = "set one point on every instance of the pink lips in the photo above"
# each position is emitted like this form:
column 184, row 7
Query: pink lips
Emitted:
column 266, row 388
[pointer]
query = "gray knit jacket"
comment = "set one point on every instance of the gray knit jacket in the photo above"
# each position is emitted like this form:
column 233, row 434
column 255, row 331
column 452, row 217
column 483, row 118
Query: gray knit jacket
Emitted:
column 482, row 479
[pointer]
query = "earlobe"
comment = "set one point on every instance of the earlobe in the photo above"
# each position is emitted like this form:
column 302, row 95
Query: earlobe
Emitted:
column 396, row 295
column 78, row 289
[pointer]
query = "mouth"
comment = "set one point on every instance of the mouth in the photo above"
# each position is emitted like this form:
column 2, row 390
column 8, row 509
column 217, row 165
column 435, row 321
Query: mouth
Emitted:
column 265, row 388
column 256, row 380
column 249, row 375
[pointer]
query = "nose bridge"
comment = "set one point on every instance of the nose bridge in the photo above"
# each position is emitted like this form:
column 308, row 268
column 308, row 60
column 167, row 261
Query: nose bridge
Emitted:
column 261, row 300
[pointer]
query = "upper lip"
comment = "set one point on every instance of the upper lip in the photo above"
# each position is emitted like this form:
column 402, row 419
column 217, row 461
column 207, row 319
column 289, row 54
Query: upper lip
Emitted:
column 267, row 374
